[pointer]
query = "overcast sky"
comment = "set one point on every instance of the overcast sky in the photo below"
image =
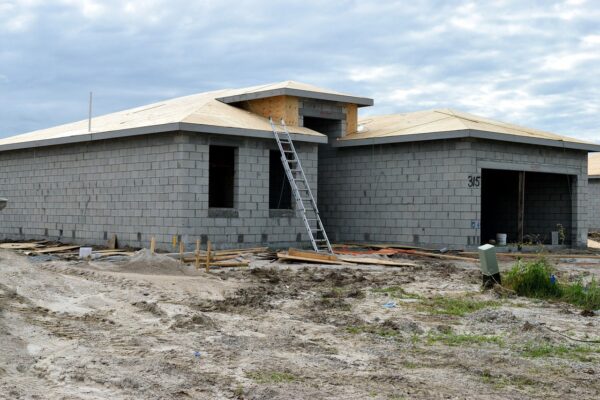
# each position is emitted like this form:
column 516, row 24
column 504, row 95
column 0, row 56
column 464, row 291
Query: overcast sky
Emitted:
column 534, row 63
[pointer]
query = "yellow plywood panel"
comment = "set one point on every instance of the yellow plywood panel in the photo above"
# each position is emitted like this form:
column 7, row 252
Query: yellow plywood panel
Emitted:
column 351, row 118
column 277, row 107
column 443, row 120
column 594, row 164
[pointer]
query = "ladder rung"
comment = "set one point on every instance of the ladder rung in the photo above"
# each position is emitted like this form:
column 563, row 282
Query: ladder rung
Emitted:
column 295, row 176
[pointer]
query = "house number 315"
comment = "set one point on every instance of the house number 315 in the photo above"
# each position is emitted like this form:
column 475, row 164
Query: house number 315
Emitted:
column 474, row 181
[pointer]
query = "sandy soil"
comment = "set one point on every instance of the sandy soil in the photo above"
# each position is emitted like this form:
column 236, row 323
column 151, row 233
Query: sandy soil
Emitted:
column 144, row 330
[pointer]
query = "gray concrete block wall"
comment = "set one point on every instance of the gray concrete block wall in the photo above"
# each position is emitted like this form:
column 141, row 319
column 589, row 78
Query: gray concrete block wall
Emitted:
column 139, row 187
column 418, row 193
column 594, row 203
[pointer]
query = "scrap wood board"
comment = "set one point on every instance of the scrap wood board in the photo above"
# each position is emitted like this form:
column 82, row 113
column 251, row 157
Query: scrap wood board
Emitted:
column 20, row 246
column 377, row 261
column 57, row 249
column 312, row 255
column 286, row 257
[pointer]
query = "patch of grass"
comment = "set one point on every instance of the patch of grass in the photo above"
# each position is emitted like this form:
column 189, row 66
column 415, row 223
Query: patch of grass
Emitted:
column 500, row 382
column 533, row 279
column 271, row 377
column 584, row 296
column 459, row 306
column 577, row 352
column 453, row 339
column 396, row 292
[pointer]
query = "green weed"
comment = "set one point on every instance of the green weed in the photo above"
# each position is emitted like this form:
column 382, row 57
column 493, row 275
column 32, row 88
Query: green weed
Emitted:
column 533, row 279
column 578, row 352
column 453, row 339
column 372, row 329
column 396, row 292
column 454, row 305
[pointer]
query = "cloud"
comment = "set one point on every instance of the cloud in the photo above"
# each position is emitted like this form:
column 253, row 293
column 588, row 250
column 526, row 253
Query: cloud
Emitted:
column 529, row 63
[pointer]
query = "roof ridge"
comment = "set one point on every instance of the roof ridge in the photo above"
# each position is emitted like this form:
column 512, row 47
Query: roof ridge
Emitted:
column 452, row 113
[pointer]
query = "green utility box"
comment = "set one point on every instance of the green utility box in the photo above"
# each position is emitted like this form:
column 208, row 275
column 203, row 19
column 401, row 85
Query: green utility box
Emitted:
column 489, row 265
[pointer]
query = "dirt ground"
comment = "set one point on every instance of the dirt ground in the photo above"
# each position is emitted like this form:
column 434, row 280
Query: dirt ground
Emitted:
column 143, row 330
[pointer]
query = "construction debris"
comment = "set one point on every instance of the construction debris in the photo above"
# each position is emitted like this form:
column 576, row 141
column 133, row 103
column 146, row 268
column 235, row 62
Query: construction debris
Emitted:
column 308, row 256
column 377, row 261
column 58, row 249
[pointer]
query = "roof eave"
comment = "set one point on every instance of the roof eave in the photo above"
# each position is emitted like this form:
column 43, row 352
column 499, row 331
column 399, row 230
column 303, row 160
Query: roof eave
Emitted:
column 341, row 98
column 254, row 133
column 147, row 130
column 593, row 176
column 463, row 133
column 417, row 137
column 563, row 144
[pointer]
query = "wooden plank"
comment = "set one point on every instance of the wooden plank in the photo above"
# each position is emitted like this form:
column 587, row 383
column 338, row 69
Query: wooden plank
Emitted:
column 212, row 258
column 351, row 118
column 197, row 258
column 229, row 264
column 112, row 242
column 440, row 256
column 57, row 249
column 181, row 249
column 153, row 245
column 207, row 256
column 241, row 251
column 312, row 255
column 536, row 255
column 19, row 246
column 287, row 257
column 521, row 207
column 113, row 253
column 376, row 261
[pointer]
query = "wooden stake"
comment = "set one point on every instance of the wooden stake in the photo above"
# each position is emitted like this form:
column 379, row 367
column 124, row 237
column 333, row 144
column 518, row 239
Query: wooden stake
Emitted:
column 197, row 254
column 181, row 250
column 174, row 241
column 153, row 245
column 208, row 256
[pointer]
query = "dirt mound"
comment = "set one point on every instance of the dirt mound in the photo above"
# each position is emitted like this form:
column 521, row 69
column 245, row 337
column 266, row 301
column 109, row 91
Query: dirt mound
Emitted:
column 145, row 262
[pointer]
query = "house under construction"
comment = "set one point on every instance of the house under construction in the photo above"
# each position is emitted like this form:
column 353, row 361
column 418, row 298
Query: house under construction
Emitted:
column 207, row 166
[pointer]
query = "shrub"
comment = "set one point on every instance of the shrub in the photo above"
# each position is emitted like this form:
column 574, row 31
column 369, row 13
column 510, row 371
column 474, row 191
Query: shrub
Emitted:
column 533, row 279
column 586, row 297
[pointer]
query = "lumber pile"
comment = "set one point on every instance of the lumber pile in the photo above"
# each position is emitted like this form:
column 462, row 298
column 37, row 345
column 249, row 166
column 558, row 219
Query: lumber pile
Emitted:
column 294, row 255
column 308, row 256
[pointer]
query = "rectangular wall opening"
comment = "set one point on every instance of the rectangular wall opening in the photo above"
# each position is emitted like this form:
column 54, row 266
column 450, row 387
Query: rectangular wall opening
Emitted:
column 280, row 191
column 545, row 206
column 326, row 126
column 221, row 177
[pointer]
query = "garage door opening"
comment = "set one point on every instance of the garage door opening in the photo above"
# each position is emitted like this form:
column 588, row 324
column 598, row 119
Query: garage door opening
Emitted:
column 527, row 206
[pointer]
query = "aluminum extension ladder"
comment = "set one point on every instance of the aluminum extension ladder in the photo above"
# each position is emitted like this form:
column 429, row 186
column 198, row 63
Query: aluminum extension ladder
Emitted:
column 305, row 201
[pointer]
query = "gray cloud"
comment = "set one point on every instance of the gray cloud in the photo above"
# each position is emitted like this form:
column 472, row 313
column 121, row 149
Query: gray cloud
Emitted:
column 532, row 63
